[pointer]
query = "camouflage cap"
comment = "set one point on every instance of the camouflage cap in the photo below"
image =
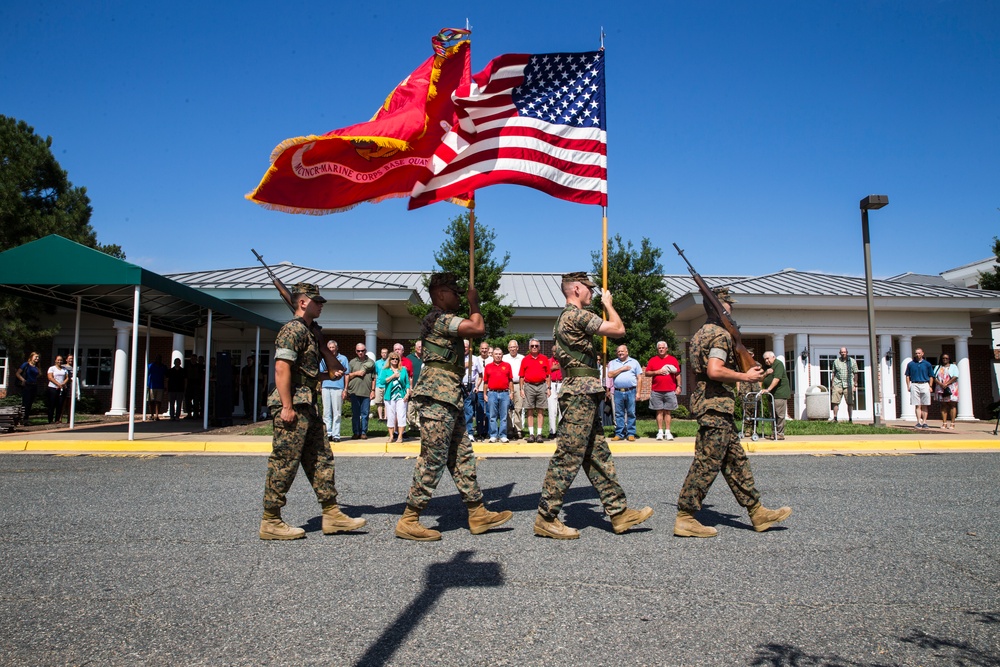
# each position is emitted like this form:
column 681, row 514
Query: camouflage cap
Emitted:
column 578, row 277
column 446, row 279
column 724, row 295
column 309, row 290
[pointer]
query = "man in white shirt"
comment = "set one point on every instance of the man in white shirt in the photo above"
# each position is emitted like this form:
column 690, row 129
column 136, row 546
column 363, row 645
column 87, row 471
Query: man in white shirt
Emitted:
column 514, row 424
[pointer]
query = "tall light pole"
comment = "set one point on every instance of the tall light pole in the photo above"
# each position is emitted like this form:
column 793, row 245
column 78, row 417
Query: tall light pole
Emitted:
column 872, row 202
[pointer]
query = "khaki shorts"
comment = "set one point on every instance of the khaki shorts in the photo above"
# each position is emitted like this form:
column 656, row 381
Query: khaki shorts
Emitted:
column 841, row 393
column 535, row 396
column 155, row 395
column 379, row 396
column 920, row 393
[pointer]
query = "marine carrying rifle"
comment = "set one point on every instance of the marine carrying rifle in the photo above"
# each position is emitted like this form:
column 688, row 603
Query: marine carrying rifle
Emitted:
column 743, row 356
column 332, row 363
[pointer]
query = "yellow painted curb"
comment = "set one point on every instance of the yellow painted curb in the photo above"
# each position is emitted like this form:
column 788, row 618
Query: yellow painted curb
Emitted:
column 868, row 445
column 12, row 445
column 355, row 447
column 114, row 446
column 405, row 449
column 238, row 447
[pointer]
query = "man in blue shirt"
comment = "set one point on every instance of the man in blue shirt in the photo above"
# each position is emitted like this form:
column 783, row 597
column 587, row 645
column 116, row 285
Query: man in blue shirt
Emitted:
column 918, row 377
column 624, row 371
column 334, row 393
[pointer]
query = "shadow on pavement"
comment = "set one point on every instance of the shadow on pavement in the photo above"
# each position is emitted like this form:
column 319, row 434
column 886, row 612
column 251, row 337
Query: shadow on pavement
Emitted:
column 947, row 651
column 459, row 572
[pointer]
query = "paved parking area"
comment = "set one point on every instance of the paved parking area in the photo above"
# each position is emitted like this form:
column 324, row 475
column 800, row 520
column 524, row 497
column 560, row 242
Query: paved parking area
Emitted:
column 127, row 559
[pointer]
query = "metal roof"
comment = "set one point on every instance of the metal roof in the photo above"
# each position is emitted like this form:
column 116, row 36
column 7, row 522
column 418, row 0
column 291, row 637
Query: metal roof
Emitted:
column 529, row 290
column 803, row 283
column 919, row 279
column 256, row 277
column 56, row 270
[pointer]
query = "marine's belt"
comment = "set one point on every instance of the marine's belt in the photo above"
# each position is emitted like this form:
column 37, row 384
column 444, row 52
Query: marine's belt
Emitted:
column 451, row 368
column 579, row 372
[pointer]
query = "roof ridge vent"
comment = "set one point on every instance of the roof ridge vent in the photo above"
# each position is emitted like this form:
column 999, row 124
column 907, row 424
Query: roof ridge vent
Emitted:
column 788, row 270
column 285, row 263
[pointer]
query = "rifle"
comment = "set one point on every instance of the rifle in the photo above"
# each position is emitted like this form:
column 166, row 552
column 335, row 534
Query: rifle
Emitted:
column 332, row 363
column 743, row 356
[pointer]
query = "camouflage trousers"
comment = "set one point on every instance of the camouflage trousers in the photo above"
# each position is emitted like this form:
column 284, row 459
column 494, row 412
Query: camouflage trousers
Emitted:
column 717, row 448
column 581, row 443
column 303, row 441
column 443, row 443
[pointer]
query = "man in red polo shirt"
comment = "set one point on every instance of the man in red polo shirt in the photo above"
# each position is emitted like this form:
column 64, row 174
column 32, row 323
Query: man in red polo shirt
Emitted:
column 535, row 387
column 665, row 371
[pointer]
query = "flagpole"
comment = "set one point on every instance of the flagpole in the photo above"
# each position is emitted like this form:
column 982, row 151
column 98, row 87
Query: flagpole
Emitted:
column 604, row 273
column 472, row 268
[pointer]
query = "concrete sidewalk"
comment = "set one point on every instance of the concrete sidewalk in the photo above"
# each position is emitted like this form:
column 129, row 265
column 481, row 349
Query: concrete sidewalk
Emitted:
column 179, row 437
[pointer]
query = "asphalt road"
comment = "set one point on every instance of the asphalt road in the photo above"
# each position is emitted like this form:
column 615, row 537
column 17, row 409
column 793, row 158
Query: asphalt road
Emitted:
column 117, row 560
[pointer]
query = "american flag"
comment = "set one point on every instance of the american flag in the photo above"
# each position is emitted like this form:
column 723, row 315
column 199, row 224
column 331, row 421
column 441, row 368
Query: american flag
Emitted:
column 535, row 120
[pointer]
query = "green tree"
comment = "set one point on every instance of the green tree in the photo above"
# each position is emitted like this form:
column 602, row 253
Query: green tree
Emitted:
column 635, row 279
column 989, row 280
column 454, row 256
column 36, row 199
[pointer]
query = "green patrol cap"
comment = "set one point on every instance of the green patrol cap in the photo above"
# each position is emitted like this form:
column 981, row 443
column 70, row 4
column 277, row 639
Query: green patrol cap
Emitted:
column 578, row 277
column 309, row 290
column 724, row 295
column 446, row 279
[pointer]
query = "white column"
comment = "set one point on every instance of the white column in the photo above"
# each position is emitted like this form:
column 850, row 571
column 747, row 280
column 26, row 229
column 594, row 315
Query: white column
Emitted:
column 75, row 368
column 135, row 355
column 964, row 381
column 119, row 383
column 682, row 351
column 801, row 376
column 888, row 382
column 371, row 343
column 177, row 349
column 905, row 356
column 778, row 345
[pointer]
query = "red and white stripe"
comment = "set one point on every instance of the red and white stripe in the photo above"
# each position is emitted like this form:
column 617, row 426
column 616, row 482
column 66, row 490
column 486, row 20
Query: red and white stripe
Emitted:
column 491, row 144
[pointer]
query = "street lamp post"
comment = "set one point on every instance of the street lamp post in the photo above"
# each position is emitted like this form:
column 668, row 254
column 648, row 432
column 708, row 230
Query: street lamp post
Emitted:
column 872, row 202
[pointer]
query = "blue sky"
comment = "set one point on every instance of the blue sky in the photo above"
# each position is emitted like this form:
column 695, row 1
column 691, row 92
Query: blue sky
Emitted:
column 746, row 132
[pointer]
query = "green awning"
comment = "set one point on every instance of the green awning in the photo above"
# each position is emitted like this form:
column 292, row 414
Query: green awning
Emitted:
column 56, row 270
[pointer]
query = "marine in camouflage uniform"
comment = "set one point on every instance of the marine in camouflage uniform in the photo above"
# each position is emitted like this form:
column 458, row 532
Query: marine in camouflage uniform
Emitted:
column 438, row 399
column 717, row 445
column 299, row 432
column 581, row 441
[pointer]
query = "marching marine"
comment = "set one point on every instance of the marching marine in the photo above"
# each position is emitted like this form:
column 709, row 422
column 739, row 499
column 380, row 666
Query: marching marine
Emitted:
column 717, row 446
column 299, row 432
column 438, row 399
column 581, row 435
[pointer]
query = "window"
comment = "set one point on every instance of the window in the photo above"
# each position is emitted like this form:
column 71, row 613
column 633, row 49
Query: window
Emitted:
column 98, row 366
column 3, row 366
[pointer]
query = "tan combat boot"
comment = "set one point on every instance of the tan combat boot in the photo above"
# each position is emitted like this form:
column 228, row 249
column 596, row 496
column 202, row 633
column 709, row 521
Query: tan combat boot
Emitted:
column 335, row 521
column 409, row 527
column 481, row 519
column 555, row 529
column 763, row 518
column 685, row 525
column 273, row 528
column 630, row 517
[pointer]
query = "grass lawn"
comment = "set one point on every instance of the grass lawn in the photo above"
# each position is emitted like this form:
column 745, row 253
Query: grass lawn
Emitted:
column 646, row 428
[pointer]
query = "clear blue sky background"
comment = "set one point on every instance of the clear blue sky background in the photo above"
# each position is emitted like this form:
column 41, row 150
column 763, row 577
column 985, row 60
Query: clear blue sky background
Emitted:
column 746, row 132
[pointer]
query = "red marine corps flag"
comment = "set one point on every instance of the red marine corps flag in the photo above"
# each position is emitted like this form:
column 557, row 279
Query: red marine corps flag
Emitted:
column 535, row 120
column 378, row 159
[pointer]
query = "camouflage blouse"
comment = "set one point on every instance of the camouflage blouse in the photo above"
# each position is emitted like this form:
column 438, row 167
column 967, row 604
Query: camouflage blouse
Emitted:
column 576, row 328
column 711, row 395
column 296, row 345
column 436, row 383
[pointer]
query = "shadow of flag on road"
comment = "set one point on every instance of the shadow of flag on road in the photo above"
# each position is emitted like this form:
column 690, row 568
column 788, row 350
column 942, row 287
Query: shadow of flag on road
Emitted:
column 459, row 572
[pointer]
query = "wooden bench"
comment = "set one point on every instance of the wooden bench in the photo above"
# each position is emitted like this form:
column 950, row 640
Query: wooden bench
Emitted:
column 10, row 418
